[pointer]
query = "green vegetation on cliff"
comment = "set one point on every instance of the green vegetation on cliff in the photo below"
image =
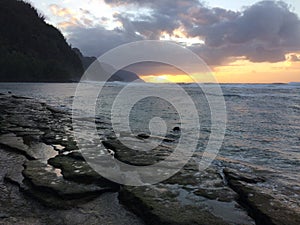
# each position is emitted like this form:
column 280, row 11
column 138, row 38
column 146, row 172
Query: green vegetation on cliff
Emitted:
column 32, row 50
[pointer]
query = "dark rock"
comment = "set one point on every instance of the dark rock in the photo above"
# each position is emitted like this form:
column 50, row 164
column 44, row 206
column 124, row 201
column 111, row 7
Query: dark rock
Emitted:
column 138, row 156
column 151, row 137
column 262, row 204
column 206, row 183
column 46, row 183
column 3, row 215
column 159, row 205
column 222, row 194
column 176, row 129
column 34, row 151
column 168, row 140
column 76, row 155
column 143, row 136
column 248, row 178
column 80, row 171
column 28, row 125
column 264, row 207
column 188, row 192
column 17, row 208
column 55, row 110
column 15, row 143
column 11, row 166
column 175, row 199
column 19, row 97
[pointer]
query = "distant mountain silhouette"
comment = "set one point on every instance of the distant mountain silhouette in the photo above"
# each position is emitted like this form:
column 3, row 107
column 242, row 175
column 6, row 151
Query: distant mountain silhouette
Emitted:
column 120, row 75
column 85, row 60
column 32, row 50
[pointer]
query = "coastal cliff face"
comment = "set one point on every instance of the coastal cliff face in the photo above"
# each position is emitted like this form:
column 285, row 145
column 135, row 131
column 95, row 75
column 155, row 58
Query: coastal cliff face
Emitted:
column 120, row 75
column 32, row 50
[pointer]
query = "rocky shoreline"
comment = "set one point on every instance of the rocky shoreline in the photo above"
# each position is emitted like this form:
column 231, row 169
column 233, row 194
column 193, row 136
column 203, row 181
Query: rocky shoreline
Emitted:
column 45, row 180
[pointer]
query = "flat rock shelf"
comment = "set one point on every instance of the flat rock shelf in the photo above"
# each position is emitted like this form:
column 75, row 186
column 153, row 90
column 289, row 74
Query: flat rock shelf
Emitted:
column 44, row 179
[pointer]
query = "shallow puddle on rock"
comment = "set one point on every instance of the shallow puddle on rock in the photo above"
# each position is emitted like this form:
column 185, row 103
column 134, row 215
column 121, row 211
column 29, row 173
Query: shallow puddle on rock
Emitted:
column 229, row 211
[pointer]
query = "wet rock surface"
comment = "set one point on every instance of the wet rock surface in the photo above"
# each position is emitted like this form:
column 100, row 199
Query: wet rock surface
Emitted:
column 189, row 197
column 216, row 195
column 44, row 179
column 31, row 151
column 138, row 156
column 47, row 179
column 75, row 168
column 265, row 205
column 158, row 205
column 34, row 192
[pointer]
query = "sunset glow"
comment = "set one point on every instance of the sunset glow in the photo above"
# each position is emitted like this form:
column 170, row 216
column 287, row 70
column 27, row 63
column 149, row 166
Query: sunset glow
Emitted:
column 166, row 78
column 244, row 71
column 228, row 35
column 241, row 71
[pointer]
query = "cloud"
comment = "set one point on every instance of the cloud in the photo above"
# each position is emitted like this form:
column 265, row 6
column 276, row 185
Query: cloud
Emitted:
column 293, row 58
column 84, row 11
column 70, row 18
column 153, row 68
column 96, row 41
column 263, row 32
column 61, row 12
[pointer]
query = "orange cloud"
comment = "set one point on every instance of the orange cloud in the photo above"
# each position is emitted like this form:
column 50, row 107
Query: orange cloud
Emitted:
column 72, row 18
column 73, row 22
column 61, row 12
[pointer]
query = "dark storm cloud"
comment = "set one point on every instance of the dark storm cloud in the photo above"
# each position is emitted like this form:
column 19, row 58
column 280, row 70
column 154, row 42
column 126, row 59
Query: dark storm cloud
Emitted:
column 96, row 41
column 166, row 15
column 148, row 26
column 266, row 22
column 189, row 13
column 263, row 32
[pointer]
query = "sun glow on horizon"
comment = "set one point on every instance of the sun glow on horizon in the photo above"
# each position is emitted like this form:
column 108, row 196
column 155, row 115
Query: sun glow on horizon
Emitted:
column 167, row 78
column 180, row 78
column 244, row 71
column 239, row 71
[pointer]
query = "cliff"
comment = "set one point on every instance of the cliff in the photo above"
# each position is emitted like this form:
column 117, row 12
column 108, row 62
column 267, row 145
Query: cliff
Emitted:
column 120, row 75
column 32, row 50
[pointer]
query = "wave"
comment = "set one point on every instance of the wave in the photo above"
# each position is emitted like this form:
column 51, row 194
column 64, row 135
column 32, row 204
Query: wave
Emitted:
column 294, row 83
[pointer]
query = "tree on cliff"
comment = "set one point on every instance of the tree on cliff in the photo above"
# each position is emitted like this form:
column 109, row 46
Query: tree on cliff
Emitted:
column 31, row 49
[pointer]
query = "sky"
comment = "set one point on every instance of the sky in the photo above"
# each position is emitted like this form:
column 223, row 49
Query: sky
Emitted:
column 242, row 41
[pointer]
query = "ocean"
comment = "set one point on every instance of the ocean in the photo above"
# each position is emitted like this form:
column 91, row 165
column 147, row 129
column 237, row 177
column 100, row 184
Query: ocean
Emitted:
column 263, row 120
